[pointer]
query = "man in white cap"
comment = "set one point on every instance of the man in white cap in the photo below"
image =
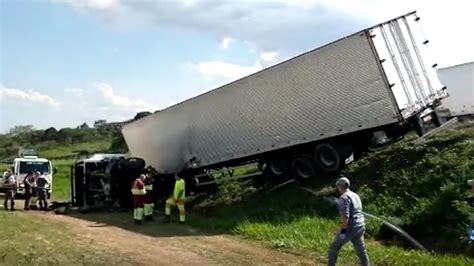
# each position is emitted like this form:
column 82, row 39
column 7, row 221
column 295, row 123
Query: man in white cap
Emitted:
column 352, row 224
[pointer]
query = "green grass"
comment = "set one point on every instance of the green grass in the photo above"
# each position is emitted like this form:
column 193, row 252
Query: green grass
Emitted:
column 57, row 151
column 61, row 180
column 291, row 220
column 29, row 240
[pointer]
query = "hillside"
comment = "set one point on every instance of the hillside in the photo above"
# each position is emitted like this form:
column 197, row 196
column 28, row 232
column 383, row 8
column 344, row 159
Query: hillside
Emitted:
column 421, row 188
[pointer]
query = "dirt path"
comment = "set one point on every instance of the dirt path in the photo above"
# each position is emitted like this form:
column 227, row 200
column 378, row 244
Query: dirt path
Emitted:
column 161, row 244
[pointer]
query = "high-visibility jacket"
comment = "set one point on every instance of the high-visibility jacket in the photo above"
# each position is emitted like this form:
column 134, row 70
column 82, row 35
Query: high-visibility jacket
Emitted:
column 149, row 187
column 138, row 187
column 179, row 187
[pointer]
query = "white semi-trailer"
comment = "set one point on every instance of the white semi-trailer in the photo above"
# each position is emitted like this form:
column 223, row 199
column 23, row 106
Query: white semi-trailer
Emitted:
column 310, row 112
column 460, row 81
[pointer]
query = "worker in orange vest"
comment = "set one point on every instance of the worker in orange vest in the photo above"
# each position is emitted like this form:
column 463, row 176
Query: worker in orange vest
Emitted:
column 176, row 199
column 138, row 192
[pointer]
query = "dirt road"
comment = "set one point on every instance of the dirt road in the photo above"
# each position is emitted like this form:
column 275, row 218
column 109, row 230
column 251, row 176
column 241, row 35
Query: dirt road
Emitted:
column 168, row 244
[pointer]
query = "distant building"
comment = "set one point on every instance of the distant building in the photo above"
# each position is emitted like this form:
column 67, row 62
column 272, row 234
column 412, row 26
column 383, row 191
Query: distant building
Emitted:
column 100, row 123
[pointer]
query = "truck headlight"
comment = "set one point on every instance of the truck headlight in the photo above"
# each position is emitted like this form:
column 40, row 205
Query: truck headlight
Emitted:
column 22, row 185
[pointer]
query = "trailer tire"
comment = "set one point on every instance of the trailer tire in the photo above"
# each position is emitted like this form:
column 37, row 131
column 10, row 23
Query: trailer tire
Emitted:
column 277, row 167
column 303, row 168
column 328, row 158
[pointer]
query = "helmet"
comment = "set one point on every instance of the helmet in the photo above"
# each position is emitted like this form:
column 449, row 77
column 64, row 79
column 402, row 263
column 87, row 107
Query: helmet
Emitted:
column 343, row 181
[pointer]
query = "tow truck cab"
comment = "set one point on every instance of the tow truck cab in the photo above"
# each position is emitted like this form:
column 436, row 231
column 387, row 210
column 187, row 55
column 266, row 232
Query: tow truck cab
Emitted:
column 25, row 164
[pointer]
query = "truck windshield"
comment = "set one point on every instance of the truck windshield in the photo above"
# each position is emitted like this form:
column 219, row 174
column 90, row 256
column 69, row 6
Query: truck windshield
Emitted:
column 42, row 167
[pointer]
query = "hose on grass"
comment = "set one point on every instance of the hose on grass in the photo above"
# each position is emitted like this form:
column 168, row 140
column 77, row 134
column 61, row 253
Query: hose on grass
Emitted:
column 389, row 225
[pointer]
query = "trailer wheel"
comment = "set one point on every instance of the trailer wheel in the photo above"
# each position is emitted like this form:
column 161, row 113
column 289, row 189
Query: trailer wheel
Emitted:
column 277, row 167
column 327, row 157
column 303, row 168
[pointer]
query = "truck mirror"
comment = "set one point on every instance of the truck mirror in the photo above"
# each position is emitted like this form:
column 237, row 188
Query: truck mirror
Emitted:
column 55, row 170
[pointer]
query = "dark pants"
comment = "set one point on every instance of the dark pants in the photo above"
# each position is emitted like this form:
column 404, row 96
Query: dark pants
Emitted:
column 356, row 236
column 42, row 197
column 9, row 196
column 27, row 199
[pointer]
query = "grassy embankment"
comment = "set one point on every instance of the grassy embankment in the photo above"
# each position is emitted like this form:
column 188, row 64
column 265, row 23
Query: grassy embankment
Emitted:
column 420, row 188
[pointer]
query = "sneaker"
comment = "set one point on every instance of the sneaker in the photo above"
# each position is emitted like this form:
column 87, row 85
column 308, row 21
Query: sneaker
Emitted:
column 138, row 222
column 166, row 220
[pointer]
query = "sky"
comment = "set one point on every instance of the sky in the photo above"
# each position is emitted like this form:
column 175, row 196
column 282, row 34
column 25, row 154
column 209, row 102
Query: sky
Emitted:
column 63, row 63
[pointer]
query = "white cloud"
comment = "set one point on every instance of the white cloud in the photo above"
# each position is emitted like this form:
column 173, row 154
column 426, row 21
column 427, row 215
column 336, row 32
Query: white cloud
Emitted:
column 78, row 92
column 225, row 42
column 223, row 71
column 30, row 96
column 290, row 27
column 269, row 58
column 111, row 97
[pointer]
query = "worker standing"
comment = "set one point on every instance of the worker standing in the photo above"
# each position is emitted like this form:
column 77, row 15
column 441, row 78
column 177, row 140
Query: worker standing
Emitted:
column 352, row 224
column 42, row 185
column 28, row 184
column 10, row 186
column 138, row 192
column 149, row 199
column 34, row 191
column 177, row 199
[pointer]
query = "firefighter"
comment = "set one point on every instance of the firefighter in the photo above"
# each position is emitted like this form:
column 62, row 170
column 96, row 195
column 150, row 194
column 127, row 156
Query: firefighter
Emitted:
column 42, row 185
column 139, row 193
column 9, row 184
column 149, row 199
column 28, row 184
column 176, row 199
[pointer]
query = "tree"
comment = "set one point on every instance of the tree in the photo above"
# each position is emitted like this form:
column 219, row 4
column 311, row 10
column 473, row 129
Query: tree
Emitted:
column 118, row 143
column 141, row 115
column 84, row 125
column 50, row 134
column 21, row 129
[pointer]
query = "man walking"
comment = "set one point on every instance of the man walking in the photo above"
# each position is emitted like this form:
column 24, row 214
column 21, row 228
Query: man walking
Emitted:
column 177, row 199
column 42, row 185
column 9, row 184
column 352, row 224
column 149, row 199
column 138, row 193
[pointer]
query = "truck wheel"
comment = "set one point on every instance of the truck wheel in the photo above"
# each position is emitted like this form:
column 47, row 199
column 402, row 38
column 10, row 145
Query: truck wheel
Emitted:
column 277, row 167
column 327, row 157
column 303, row 168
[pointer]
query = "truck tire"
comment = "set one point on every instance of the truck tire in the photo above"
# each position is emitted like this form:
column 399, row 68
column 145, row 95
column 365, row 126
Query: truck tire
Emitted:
column 328, row 158
column 276, row 167
column 303, row 168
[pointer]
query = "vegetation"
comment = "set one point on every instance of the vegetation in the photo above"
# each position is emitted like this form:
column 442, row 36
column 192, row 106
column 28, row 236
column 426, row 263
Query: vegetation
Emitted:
column 419, row 187
column 28, row 240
